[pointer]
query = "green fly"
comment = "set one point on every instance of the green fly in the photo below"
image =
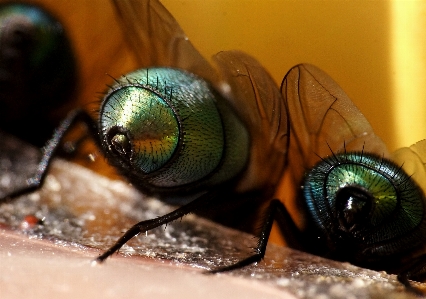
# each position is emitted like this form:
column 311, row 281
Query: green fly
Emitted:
column 217, row 139
column 38, row 71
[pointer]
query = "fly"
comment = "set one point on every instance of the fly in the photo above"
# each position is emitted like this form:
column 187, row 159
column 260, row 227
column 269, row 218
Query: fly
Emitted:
column 228, row 134
column 38, row 72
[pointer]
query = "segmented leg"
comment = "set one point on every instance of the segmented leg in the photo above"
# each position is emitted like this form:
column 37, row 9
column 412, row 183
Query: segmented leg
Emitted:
column 147, row 225
column 416, row 271
column 275, row 211
column 49, row 150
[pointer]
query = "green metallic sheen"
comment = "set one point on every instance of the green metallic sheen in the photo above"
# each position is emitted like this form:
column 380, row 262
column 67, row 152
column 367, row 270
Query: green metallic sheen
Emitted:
column 384, row 193
column 46, row 30
column 395, row 205
column 38, row 71
column 180, row 130
column 149, row 120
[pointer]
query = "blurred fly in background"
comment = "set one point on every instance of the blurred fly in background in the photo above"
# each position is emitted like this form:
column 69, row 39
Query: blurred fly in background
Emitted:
column 38, row 71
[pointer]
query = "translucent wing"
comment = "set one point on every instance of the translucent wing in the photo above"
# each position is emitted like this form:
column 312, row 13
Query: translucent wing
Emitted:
column 254, row 94
column 157, row 39
column 323, row 120
column 413, row 159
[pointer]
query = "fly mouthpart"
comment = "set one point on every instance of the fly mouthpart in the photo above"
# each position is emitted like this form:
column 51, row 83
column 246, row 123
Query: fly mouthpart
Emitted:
column 119, row 142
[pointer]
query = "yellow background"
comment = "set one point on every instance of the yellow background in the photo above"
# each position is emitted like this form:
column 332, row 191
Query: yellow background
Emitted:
column 375, row 50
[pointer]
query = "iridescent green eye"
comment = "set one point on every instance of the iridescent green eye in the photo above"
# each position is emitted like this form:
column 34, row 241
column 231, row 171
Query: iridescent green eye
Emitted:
column 364, row 200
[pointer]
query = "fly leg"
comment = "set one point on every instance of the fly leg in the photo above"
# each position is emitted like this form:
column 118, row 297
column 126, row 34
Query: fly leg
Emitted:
column 415, row 271
column 50, row 149
column 147, row 225
column 276, row 208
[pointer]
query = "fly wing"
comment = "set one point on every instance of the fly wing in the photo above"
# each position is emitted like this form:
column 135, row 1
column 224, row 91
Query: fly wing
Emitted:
column 413, row 161
column 157, row 39
column 323, row 120
column 257, row 100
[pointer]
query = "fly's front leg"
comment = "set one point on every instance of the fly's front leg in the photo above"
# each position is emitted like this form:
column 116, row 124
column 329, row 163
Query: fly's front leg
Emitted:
column 146, row 225
column 50, row 149
column 416, row 271
column 275, row 211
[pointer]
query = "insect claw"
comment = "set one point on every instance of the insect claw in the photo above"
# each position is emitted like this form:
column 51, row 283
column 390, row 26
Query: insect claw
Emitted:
column 404, row 279
column 255, row 258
